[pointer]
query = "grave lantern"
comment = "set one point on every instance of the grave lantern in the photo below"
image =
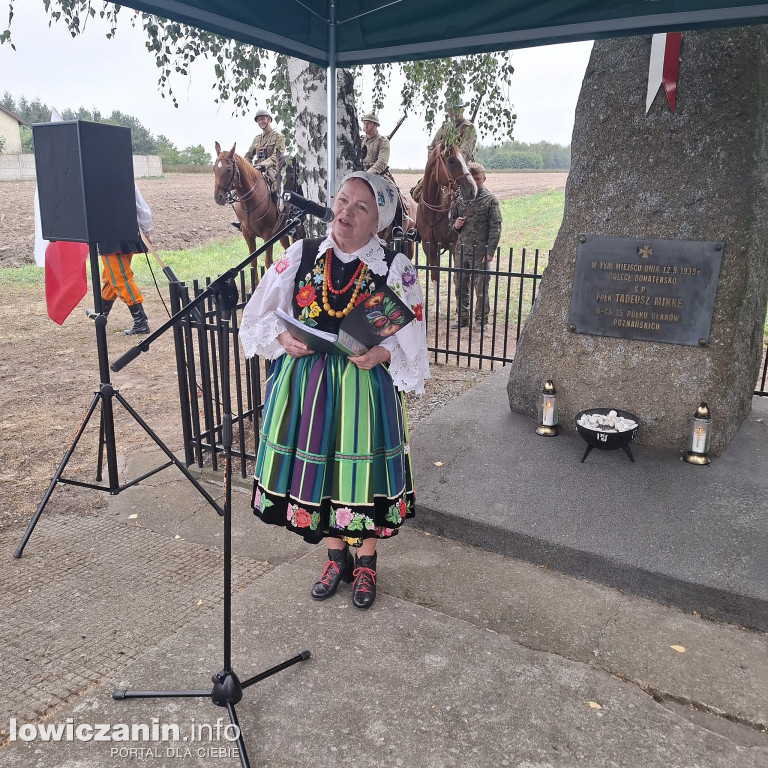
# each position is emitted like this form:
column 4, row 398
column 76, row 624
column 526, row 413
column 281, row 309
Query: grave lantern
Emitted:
column 548, row 410
column 701, row 434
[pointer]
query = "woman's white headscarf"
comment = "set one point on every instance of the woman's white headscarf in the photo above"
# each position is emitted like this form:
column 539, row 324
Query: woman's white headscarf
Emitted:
column 384, row 194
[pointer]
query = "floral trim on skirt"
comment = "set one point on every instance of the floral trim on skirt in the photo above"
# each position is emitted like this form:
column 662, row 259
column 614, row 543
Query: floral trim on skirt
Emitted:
column 333, row 456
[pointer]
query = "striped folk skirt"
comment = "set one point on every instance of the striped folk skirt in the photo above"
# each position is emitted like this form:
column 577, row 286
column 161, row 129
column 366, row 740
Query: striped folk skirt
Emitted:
column 333, row 457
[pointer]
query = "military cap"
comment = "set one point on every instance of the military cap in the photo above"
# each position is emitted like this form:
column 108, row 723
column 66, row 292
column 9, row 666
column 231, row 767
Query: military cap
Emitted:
column 454, row 105
column 262, row 113
column 371, row 117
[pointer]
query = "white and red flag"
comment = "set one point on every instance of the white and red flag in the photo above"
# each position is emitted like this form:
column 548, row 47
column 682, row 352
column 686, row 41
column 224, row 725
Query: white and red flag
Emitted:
column 64, row 262
column 662, row 68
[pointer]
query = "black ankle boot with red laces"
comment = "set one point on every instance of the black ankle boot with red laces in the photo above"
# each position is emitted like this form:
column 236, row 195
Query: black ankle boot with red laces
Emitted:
column 364, row 587
column 338, row 567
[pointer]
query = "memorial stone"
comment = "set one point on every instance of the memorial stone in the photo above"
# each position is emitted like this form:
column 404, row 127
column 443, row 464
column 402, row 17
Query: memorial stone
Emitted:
column 698, row 176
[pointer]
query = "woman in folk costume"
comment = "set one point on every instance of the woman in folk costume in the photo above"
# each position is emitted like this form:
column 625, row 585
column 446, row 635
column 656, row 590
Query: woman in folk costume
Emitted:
column 333, row 460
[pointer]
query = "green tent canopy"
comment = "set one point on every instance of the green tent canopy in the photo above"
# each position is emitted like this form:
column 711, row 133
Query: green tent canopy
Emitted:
column 341, row 33
column 346, row 32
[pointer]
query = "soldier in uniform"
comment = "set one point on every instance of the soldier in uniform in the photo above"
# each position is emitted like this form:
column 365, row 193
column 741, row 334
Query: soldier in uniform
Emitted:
column 375, row 149
column 375, row 156
column 117, row 276
column 457, row 127
column 479, row 227
column 266, row 149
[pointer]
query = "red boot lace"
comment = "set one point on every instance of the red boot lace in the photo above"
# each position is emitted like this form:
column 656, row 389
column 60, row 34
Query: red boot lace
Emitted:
column 366, row 577
column 326, row 576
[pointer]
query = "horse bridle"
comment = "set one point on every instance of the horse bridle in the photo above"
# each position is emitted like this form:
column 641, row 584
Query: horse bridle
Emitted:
column 230, row 191
column 451, row 188
column 448, row 170
column 230, row 195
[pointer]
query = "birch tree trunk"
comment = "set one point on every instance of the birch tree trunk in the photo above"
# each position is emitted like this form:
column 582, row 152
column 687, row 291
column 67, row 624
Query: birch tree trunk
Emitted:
column 307, row 83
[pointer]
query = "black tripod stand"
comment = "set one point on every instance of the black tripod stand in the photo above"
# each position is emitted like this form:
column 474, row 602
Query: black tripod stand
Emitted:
column 104, row 395
column 227, row 689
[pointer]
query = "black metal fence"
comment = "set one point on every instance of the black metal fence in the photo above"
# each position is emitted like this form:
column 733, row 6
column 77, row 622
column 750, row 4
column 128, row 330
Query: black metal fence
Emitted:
column 197, row 345
column 509, row 283
column 506, row 285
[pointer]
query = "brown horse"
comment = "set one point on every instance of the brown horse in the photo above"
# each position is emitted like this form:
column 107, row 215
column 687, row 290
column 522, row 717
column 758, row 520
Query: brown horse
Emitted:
column 241, row 185
column 446, row 172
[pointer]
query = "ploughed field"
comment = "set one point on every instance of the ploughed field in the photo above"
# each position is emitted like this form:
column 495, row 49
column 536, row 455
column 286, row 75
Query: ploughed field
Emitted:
column 185, row 215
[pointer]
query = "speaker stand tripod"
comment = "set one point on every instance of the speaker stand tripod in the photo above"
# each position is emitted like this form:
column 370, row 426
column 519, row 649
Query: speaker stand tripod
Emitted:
column 105, row 396
column 227, row 689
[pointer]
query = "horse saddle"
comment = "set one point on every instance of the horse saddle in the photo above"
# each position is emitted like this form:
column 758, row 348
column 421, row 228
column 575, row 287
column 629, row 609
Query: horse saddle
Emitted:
column 274, row 190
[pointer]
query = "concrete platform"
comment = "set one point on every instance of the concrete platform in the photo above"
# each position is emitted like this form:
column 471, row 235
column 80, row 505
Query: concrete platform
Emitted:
column 469, row 658
column 691, row 536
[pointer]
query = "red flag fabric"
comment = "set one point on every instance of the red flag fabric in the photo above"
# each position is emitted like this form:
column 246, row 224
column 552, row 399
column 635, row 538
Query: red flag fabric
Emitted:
column 65, row 281
column 671, row 64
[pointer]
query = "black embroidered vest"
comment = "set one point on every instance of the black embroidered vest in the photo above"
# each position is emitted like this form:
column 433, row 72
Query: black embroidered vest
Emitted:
column 308, row 287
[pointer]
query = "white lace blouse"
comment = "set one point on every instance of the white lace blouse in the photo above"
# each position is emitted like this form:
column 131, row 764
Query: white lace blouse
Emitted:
column 409, row 365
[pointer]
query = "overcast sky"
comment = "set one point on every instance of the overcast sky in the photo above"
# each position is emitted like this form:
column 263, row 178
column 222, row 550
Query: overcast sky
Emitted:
column 93, row 72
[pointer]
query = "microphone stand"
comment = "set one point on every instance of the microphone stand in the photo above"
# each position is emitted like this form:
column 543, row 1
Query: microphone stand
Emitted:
column 227, row 689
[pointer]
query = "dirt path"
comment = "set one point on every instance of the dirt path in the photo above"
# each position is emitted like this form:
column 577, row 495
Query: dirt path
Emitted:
column 184, row 213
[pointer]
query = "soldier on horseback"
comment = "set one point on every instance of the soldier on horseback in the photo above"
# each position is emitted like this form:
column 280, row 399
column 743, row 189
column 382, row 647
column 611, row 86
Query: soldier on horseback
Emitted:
column 457, row 130
column 375, row 149
column 267, row 151
column 374, row 153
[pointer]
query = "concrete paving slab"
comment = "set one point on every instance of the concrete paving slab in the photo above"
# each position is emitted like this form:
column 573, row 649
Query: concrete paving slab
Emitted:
column 400, row 685
column 538, row 607
column 469, row 657
column 723, row 669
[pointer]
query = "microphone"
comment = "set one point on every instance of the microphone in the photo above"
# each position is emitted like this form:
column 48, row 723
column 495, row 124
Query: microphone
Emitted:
column 308, row 206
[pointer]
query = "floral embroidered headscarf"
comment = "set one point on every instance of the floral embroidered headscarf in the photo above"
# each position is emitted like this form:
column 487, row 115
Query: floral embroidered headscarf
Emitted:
column 384, row 194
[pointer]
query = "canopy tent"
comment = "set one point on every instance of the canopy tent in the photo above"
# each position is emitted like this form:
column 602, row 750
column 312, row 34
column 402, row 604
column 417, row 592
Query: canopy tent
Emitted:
column 347, row 32
column 335, row 33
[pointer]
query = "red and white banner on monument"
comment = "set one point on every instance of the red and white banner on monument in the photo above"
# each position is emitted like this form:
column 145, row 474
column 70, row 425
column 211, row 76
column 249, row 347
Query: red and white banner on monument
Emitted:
column 662, row 69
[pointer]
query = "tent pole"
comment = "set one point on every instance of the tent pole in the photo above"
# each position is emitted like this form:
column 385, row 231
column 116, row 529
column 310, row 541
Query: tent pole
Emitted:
column 330, row 93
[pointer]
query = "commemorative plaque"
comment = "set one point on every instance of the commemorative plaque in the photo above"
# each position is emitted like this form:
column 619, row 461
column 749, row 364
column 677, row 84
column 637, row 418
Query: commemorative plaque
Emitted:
column 649, row 290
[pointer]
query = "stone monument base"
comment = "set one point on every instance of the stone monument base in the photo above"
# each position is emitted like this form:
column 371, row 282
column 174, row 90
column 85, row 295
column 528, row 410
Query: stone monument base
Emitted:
column 698, row 174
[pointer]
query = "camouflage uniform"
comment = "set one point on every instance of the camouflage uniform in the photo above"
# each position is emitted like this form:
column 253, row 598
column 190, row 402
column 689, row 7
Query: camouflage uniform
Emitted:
column 478, row 238
column 466, row 134
column 265, row 150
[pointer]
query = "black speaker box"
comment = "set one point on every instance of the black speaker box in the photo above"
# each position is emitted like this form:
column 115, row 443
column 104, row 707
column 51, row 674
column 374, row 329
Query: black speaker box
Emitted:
column 85, row 181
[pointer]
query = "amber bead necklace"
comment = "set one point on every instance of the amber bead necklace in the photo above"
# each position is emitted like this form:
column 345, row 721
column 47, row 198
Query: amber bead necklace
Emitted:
column 359, row 275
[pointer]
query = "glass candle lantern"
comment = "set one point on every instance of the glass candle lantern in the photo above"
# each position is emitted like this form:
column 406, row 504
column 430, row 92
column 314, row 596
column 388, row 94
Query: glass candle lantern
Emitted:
column 701, row 435
column 547, row 410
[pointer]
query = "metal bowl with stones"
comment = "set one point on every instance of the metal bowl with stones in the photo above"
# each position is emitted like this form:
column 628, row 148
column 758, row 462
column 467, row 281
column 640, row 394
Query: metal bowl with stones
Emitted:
column 609, row 428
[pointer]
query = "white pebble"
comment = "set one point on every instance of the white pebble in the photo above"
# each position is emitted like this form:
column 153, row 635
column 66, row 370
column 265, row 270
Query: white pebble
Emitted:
column 598, row 422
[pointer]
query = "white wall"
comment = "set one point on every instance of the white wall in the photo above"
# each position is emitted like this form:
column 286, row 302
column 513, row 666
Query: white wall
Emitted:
column 147, row 165
column 15, row 167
